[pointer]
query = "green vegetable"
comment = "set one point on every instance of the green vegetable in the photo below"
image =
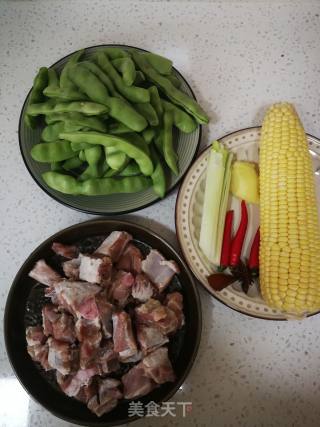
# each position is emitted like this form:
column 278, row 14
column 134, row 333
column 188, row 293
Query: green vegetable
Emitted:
column 119, row 109
column 215, row 201
column 88, row 83
column 48, row 152
column 115, row 52
column 127, row 69
column 95, row 186
column 103, row 77
column 155, row 101
column 132, row 93
column 132, row 169
column 174, row 94
column 49, row 107
column 181, row 119
column 140, row 78
column 118, row 128
column 148, row 112
column 72, row 163
column 174, row 80
column 93, row 156
column 148, row 135
column 116, row 160
column 161, row 64
column 169, row 153
column 51, row 132
column 158, row 177
column 132, row 151
column 77, row 119
column 65, row 82
column 39, row 83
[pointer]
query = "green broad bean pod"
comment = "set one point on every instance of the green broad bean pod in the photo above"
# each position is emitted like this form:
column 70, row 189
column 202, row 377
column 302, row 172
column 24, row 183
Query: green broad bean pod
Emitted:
column 78, row 146
column 132, row 93
column 174, row 94
column 82, row 155
column 116, row 160
column 148, row 135
column 51, row 132
column 72, row 163
column 148, row 112
column 36, row 95
column 161, row 64
column 93, row 156
column 48, row 152
column 181, row 119
column 75, row 118
column 133, row 151
column 64, row 94
column 118, row 109
column 140, row 78
column 85, row 107
column 169, row 153
column 174, row 80
column 118, row 129
column 65, row 81
column 103, row 77
column 132, row 169
column 56, row 166
column 158, row 177
column 96, row 186
column 155, row 101
column 116, row 52
column 88, row 83
column 126, row 68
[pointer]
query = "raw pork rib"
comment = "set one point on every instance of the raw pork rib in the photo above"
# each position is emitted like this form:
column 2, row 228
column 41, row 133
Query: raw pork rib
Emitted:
column 150, row 338
column 158, row 366
column 107, row 397
column 71, row 268
column 136, row 383
column 78, row 298
column 120, row 289
column 154, row 313
column 123, row 339
column 59, row 325
column 67, row 251
column 130, row 260
column 114, row 245
column 105, row 314
column 142, row 289
column 158, row 269
column 109, row 313
column 95, row 269
column 44, row 274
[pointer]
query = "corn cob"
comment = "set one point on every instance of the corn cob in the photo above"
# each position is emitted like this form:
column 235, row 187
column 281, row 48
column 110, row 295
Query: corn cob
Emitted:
column 290, row 236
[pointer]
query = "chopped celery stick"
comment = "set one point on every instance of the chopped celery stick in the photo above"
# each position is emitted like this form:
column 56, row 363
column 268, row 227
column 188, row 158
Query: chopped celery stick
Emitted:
column 215, row 201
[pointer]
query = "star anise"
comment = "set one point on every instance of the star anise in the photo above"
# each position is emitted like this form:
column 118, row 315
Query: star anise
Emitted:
column 241, row 273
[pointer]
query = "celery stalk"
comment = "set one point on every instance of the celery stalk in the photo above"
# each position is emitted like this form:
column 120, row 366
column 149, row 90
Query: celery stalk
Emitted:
column 215, row 201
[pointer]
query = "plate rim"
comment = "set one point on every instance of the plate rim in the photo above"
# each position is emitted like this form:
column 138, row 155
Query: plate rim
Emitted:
column 119, row 223
column 92, row 211
column 239, row 310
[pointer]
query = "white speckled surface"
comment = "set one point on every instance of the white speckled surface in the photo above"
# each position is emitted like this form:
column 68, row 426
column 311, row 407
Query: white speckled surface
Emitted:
column 239, row 57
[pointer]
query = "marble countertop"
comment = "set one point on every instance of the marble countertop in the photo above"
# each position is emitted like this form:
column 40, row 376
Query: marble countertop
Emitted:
column 239, row 57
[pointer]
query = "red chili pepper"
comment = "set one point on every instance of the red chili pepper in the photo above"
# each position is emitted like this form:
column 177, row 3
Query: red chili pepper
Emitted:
column 253, row 263
column 226, row 243
column 237, row 242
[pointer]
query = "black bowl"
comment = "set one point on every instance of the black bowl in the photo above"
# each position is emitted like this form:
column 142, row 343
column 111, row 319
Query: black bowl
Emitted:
column 39, row 385
column 186, row 146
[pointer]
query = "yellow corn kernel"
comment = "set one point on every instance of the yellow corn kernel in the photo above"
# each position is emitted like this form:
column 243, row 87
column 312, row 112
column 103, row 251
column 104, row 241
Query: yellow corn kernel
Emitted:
column 290, row 236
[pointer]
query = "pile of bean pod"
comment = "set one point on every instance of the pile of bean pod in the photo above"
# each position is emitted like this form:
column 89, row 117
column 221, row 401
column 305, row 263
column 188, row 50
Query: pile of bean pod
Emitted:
column 109, row 122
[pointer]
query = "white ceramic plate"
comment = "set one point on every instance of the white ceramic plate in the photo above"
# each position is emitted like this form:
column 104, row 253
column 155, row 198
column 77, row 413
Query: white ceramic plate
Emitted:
column 245, row 144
